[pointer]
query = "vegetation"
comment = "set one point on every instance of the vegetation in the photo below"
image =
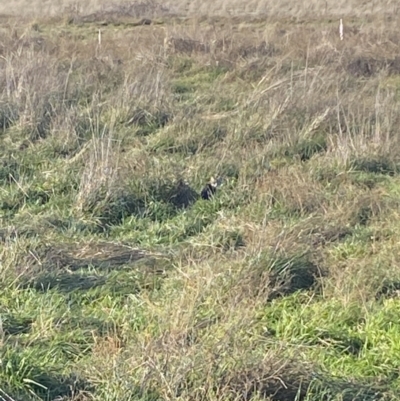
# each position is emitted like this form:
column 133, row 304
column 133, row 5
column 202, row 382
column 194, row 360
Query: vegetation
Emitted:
column 119, row 282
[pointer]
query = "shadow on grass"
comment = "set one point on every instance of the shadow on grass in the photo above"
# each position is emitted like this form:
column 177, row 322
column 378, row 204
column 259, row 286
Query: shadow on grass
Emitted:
column 323, row 236
column 117, row 269
column 58, row 386
column 148, row 122
column 291, row 274
column 27, row 379
column 14, row 325
column 157, row 200
column 9, row 170
column 306, row 148
column 282, row 381
column 276, row 275
column 389, row 289
column 114, row 284
column 369, row 66
column 48, row 387
column 88, row 323
column 294, row 385
column 376, row 165
column 325, row 388
column 350, row 345
column 100, row 256
column 63, row 281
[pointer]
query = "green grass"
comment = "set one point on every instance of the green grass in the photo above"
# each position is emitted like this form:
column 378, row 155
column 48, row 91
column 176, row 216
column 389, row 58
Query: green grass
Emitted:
column 120, row 283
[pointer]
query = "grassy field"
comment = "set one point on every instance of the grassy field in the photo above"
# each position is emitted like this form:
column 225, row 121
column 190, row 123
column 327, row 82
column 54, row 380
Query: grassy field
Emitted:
column 119, row 283
column 272, row 8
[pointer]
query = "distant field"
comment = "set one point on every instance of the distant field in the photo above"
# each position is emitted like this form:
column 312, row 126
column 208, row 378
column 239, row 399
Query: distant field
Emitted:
column 119, row 282
column 292, row 8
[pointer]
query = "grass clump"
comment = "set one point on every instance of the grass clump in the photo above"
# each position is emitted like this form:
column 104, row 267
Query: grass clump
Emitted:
column 26, row 377
column 306, row 148
column 147, row 122
column 283, row 275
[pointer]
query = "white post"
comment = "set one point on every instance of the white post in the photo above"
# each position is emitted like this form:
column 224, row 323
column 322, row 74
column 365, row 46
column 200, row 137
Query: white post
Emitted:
column 341, row 29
